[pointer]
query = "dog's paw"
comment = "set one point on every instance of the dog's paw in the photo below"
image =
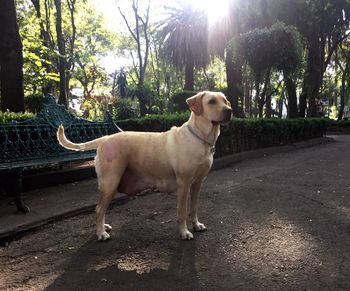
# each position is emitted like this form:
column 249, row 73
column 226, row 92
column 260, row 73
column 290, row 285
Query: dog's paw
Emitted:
column 199, row 226
column 107, row 227
column 186, row 235
column 103, row 236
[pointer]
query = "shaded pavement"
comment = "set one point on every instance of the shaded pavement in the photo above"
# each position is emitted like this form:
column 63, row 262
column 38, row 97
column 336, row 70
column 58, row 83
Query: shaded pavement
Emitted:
column 280, row 222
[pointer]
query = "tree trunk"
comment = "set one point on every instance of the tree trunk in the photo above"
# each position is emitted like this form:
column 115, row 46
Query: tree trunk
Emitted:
column 302, row 102
column 315, row 84
column 248, row 98
column 141, row 28
column 62, row 99
column 11, row 59
column 45, row 37
column 345, row 73
column 70, row 62
column 189, row 74
column 280, row 104
column 312, row 80
column 268, row 110
column 234, row 84
column 342, row 98
column 257, row 99
column 263, row 97
column 280, row 108
column 142, row 100
column 292, row 98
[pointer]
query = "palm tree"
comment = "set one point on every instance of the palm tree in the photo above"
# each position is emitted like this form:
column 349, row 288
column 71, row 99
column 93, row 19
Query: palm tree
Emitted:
column 185, row 35
column 239, row 18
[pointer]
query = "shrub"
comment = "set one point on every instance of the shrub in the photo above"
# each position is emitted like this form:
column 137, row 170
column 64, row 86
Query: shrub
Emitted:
column 125, row 109
column 34, row 102
column 339, row 126
column 6, row 117
column 276, row 47
column 154, row 122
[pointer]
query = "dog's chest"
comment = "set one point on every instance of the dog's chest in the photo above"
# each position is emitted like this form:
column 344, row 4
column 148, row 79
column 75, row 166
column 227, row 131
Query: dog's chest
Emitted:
column 204, row 166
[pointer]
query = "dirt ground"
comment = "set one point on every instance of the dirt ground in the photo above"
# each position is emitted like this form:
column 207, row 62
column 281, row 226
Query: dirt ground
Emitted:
column 281, row 222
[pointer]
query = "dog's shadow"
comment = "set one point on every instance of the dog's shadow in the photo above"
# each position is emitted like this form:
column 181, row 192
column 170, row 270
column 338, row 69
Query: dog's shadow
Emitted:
column 86, row 269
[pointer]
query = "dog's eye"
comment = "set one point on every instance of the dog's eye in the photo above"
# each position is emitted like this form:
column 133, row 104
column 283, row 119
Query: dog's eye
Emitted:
column 225, row 101
column 212, row 101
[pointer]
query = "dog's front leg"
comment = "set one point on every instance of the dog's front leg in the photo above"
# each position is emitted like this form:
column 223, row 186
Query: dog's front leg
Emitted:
column 195, row 190
column 183, row 189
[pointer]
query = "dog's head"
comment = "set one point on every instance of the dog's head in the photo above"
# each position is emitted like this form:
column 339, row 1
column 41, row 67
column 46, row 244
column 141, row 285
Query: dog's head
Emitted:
column 213, row 106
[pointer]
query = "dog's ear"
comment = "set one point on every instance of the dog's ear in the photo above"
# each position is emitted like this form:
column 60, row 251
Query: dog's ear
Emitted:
column 195, row 103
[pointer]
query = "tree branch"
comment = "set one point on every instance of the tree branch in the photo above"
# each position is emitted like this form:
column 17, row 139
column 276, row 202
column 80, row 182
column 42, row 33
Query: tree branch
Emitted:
column 334, row 47
column 127, row 24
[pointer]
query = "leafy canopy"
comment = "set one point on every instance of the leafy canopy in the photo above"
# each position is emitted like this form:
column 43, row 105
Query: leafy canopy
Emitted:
column 276, row 47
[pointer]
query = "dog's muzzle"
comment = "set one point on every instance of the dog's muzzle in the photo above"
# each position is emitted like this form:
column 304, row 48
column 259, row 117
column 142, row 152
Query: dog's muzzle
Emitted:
column 227, row 114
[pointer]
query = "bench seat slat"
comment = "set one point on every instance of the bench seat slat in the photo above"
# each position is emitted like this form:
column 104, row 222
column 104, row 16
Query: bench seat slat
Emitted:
column 53, row 160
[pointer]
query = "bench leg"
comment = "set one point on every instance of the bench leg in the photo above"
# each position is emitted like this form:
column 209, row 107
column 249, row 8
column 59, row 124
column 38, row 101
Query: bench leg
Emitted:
column 14, row 183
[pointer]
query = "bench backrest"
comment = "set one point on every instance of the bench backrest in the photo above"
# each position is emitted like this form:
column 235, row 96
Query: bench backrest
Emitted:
column 36, row 137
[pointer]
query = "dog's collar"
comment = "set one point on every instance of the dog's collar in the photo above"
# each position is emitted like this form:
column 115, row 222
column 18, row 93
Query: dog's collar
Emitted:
column 212, row 147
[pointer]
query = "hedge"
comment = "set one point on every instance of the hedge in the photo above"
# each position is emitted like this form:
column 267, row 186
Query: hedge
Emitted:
column 240, row 134
column 250, row 134
column 339, row 126
column 155, row 123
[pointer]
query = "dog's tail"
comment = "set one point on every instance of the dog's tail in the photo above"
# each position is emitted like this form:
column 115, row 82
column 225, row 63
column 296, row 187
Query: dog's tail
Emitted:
column 86, row 146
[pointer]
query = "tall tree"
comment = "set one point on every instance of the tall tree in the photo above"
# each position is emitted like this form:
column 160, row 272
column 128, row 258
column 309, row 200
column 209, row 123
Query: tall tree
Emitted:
column 342, row 59
column 62, row 99
column 185, row 34
column 139, row 31
column 71, row 39
column 324, row 24
column 11, row 59
column 276, row 47
column 242, row 16
column 46, row 40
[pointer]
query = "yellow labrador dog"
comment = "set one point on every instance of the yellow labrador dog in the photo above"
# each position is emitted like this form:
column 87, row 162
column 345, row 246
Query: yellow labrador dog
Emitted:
column 176, row 160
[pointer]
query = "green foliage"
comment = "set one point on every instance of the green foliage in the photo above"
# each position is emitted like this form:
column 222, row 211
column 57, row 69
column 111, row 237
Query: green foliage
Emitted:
column 276, row 47
column 34, row 102
column 6, row 117
column 36, row 60
column 249, row 134
column 86, row 42
column 125, row 109
column 339, row 126
column 179, row 100
column 154, row 122
column 94, row 41
column 185, row 34
column 154, row 103
column 134, row 91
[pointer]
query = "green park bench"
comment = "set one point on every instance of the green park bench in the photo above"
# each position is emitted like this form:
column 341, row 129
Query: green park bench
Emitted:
column 32, row 144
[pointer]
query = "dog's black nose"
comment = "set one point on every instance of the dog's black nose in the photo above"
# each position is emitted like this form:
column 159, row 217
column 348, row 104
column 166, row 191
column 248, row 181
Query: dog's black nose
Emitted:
column 228, row 113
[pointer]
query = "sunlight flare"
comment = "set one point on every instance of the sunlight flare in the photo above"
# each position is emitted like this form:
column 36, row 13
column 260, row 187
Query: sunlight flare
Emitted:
column 215, row 10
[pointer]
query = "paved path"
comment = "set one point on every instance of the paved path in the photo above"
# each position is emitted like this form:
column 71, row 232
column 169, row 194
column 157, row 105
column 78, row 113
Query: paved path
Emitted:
column 281, row 222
